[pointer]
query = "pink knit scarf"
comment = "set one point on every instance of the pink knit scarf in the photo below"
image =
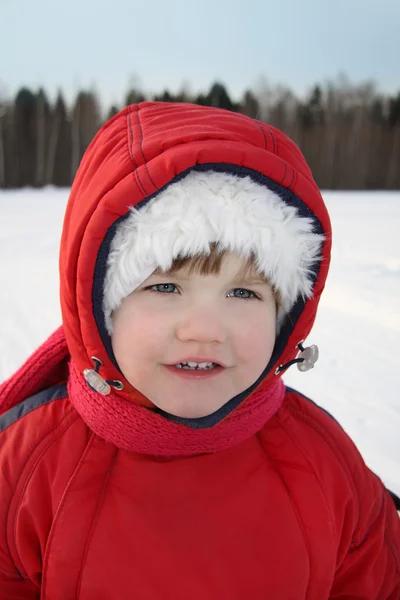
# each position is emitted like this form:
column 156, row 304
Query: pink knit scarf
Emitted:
column 127, row 425
column 139, row 429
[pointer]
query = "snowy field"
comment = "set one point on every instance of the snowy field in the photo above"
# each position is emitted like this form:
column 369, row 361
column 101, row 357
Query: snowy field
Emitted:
column 357, row 329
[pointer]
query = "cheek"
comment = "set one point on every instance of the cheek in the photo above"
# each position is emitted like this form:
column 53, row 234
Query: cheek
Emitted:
column 255, row 338
column 136, row 334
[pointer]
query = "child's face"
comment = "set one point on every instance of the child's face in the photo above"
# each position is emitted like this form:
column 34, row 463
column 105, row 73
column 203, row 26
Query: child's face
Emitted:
column 171, row 318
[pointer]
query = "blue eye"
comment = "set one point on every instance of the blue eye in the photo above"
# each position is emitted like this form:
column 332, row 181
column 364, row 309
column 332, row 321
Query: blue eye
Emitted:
column 242, row 293
column 165, row 288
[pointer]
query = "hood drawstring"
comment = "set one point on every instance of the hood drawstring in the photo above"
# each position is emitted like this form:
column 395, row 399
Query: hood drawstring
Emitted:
column 97, row 383
column 135, row 428
column 305, row 361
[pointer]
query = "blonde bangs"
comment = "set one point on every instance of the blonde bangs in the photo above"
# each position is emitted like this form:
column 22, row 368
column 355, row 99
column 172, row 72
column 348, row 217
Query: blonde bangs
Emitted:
column 208, row 264
column 211, row 264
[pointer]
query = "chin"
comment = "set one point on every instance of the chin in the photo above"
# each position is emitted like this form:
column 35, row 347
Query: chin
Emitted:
column 186, row 412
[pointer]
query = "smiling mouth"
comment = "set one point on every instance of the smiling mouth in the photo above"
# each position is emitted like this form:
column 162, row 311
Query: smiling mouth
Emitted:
column 196, row 371
column 194, row 366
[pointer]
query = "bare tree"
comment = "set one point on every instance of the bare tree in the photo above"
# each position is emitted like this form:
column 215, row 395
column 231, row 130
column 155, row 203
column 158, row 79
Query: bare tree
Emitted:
column 393, row 171
column 56, row 120
column 85, row 123
column 349, row 133
column 76, row 137
column 40, row 139
column 2, row 150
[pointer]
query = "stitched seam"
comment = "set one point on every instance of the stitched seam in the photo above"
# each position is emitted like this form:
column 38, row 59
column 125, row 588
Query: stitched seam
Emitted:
column 34, row 467
column 390, row 542
column 284, row 173
column 12, row 497
column 358, row 542
column 141, row 149
column 394, row 553
column 273, row 139
column 263, row 133
column 291, row 182
column 274, row 147
column 294, row 505
column 96, row 519
column 295, row 441
column 130, row 146
column 29, row 475
column 59, row 509
column 284, row 164
column 309, row 420
column 296, row 178
column 334, row 448
column 136, row 170
column 6, row 572
column 130, row 138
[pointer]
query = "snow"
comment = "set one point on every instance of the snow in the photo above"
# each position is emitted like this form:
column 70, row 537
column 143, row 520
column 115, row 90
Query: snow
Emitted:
column 357, row 327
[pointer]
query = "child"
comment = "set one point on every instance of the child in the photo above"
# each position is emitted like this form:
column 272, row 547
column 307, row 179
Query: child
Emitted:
column 149, row 449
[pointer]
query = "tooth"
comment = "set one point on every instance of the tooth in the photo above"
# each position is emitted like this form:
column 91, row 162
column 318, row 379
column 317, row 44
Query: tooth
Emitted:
column 193, row 366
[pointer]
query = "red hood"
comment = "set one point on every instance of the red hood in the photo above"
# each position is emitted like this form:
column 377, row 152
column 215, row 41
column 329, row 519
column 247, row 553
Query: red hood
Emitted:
column 141, row 150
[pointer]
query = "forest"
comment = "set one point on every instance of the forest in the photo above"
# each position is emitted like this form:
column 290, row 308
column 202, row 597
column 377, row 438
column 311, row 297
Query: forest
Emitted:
column 349, row 133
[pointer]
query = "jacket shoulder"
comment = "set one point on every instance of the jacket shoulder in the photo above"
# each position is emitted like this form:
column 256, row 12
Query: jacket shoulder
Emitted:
column 41, row 441
column 315, row 425
column 366, row 524
column 327, row 446
column 309, row 438
column 20, row 410
column 26, row 424
column 33, row 419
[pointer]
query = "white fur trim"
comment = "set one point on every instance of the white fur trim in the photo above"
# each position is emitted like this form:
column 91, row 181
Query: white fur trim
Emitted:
column 237, row 213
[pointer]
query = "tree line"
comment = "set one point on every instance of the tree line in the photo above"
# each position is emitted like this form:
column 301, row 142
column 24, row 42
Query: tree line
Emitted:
column 349, row 134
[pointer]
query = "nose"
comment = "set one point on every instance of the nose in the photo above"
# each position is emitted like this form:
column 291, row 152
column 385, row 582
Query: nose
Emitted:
column 204, row 326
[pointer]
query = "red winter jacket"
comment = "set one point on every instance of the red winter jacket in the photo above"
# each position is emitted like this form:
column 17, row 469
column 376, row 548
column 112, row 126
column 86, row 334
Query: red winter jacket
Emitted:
column 102, row 497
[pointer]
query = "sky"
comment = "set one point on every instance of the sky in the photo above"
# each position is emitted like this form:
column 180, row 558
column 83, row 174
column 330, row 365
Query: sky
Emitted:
column 160, row 44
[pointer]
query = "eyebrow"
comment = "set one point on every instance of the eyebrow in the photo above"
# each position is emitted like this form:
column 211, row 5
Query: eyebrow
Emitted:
column 247, row 279
column 168, row 274
column 252, row 280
